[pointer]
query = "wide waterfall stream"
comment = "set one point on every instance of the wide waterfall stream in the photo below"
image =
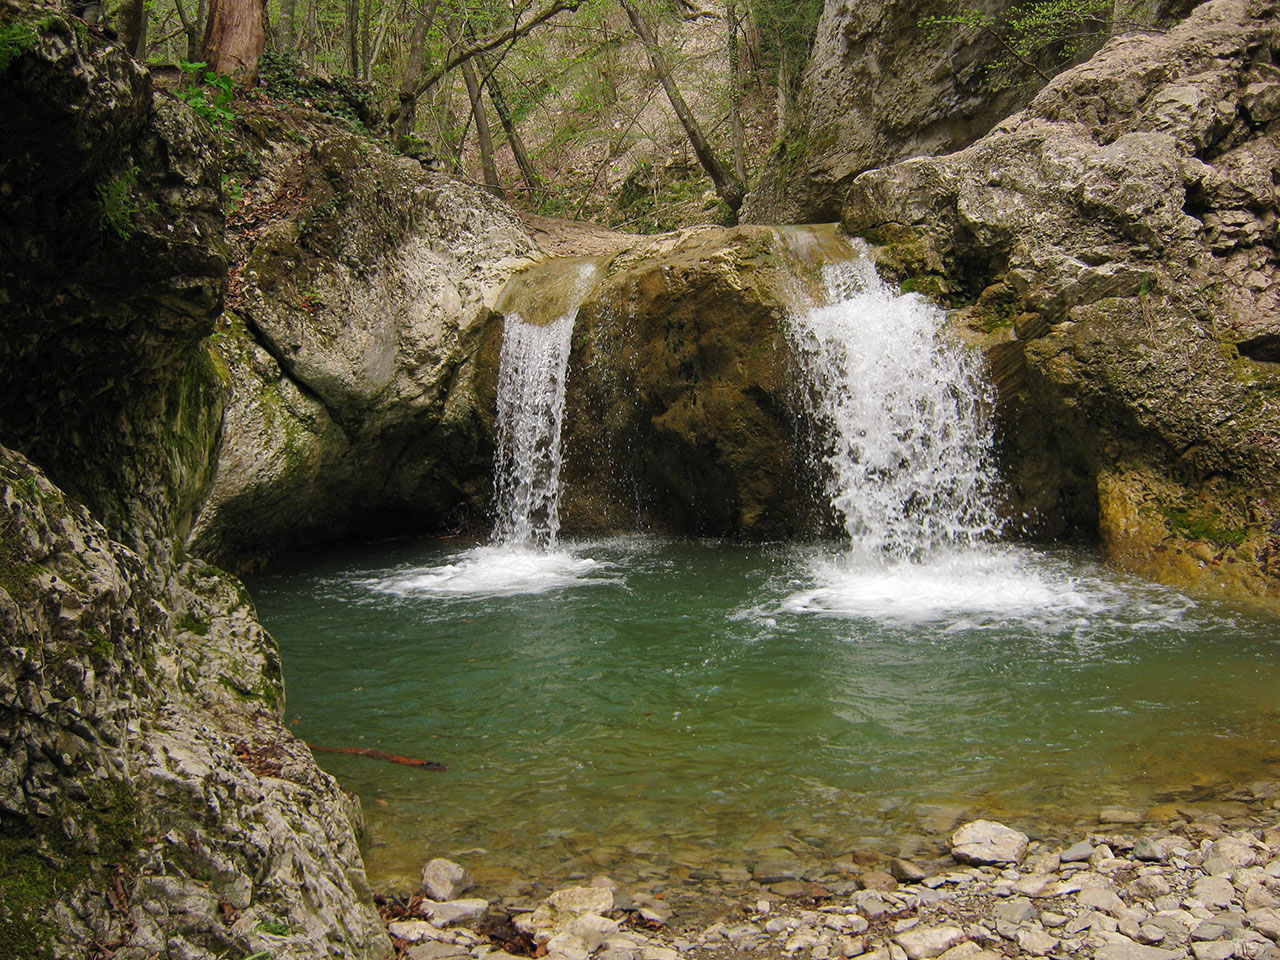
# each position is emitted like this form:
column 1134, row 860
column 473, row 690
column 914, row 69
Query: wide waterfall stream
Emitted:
column 651, row 707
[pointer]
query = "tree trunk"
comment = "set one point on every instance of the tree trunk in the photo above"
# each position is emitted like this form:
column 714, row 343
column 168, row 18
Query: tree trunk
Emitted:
column 196, row 39
column 485, row 138
column 366, row 40
column 353, row 37
column 727, row 185
column 531, row 178
column 234, row 38
column 288, row 9
column 735, row 93
column 404, row 116
column 133, row 27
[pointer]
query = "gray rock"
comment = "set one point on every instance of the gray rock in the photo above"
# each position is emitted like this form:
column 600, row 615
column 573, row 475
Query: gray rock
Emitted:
column 1136, row 951
column 1149, row 887
column 1220, row 950
column 921, row 943
column 556, row 914
column 445, row 880
column 1214, row 892
column 905, row 871
column 1017, row 910
column 434, row 950
column 1077, row 852
column 988, row 842
column 455, row 912
column 1149, row 850
column 1100, row 898
column 1266, row 922
column 1037, row 942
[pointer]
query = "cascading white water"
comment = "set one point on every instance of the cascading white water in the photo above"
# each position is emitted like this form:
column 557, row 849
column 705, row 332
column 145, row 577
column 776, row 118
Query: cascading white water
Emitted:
column 899, row 412
column 532, row 371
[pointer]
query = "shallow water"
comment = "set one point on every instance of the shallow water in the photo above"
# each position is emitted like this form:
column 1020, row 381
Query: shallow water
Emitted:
column 621, row 705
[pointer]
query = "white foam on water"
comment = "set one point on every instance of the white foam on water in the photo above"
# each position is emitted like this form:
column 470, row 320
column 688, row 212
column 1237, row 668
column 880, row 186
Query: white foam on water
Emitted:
column 494, row 571
column 986, row 587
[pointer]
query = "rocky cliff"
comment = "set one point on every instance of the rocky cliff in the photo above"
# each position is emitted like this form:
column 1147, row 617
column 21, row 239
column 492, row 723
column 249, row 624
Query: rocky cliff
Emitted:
column 151, row 800
column 882, row 86
column 1114, row 245
column 359, row 320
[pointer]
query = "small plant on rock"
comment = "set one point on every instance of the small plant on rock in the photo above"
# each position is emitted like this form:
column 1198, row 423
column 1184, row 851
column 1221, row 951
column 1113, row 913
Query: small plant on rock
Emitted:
column 209, row 94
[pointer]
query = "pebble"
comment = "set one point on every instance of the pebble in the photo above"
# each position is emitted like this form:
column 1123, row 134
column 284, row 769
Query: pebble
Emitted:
column 1205, row 893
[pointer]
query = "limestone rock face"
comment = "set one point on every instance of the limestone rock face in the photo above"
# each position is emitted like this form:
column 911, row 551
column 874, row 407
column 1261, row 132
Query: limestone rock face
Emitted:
column 358, row 327
column 151, row 800
column 879, row 88
column 681, row 408
column 1114, row 248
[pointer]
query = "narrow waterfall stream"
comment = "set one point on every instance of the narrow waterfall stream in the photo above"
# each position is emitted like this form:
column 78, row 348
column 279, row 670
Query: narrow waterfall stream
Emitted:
column 531, row 390
column 652, row 707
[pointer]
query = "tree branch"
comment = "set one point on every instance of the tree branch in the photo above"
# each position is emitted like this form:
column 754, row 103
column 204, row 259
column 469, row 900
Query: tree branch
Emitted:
column 466, row 51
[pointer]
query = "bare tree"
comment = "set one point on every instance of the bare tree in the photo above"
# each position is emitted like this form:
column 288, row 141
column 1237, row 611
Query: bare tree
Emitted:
column 728, row 186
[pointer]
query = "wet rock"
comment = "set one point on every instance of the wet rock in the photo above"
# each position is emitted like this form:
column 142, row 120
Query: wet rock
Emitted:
column 878, row 880
column 1135, row 245
column 905, row 871
column 986, row 842
column 1119, row 815
column 445, row 880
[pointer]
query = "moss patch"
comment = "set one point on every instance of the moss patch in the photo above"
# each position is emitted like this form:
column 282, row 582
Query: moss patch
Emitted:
column 40, row 865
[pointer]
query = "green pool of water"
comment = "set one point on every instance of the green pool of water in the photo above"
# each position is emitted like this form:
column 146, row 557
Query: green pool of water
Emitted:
column 630, row 704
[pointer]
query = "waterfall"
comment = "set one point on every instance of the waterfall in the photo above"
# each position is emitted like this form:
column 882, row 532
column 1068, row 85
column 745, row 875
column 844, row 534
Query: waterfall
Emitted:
column 532, row 371
column 899, row 412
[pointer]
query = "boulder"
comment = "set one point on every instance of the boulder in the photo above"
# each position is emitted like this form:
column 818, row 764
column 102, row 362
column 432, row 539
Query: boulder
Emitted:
column 359, row 343
column 986, row 842
column 445, row 880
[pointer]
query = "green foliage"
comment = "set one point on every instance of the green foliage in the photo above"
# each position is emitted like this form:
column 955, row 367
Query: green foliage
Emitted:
column 118, row 208
column 18, row 37
column 787, row 30
column 209, row 94
column 1034, row 36
column 274, row 927
column 232, row 192
column 283, row 76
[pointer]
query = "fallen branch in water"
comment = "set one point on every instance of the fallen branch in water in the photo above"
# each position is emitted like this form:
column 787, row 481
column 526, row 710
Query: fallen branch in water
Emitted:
column 379, row 755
